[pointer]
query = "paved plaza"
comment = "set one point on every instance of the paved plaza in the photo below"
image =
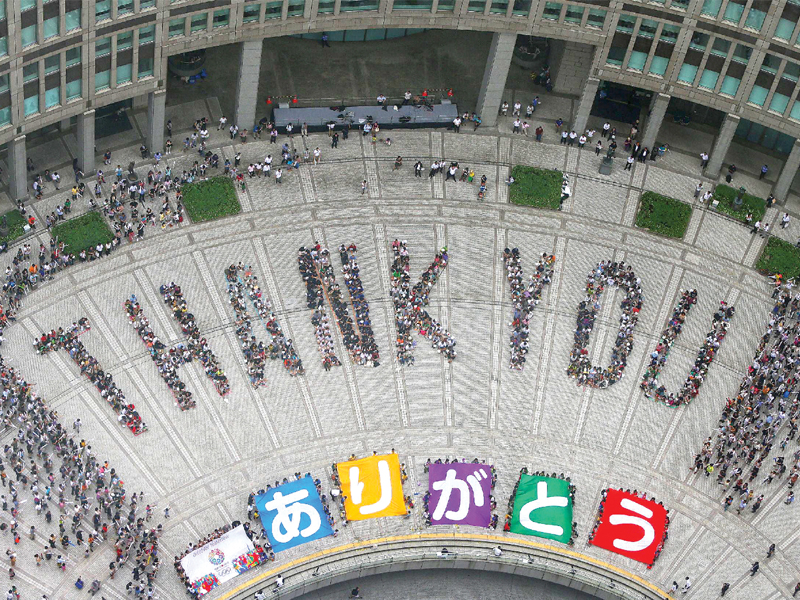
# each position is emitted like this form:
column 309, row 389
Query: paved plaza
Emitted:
column 202, row 463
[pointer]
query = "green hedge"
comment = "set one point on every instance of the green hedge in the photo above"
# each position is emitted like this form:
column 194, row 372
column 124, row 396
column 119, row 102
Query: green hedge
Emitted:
column 16, row 223
column 211, row 199
column 663, row 215
column 726, row 195
column 781, row 257
column 536, row 187
column 83, row 232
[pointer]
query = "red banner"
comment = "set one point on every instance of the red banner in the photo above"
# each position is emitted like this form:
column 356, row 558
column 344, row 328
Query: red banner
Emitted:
column 631, row 526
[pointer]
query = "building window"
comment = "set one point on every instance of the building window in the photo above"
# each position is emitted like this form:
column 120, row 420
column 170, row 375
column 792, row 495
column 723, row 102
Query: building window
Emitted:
column 199, row 22
column 125, row 41
column 422, row 4
column 758, row 95
column 711, row 8
column 795, row 114
column 72, row 20
column 52, row 64
column 687, row 74
column 680, row 4
column 30, row 72
column 733, row 12
column 2, row 9
column 50, row 28
column 742, row 54
column 626, row 23
column 791, row 71
column 596, row 18
column 102, row 10
column 637, row 60
column 145, row 4
column 147, row 35
column 252, row 11
column 27, row 4
column 477, row 6
column 498, row 7
column 779, row 103
column 730, row 85
column 102, row 47
column 771, row 64
column 73, row 90
column 145, row 67
column 102, row 80
column 3, row 46
column 274, row 8
column 574, row 14
column 124, row 7
column 552, row 11
column 222, row 18
column 522, row 8
column 4, row 86
column 73, row 56
column 720, row 47
column 124, row 73
column 177, row 27
column 784, row 29
column 699, row 41
column 708, row 80
column 52, row 97
column 296, row 8
column 5, row 115
column 658, row 66
column 28, row 35
column 31, row 105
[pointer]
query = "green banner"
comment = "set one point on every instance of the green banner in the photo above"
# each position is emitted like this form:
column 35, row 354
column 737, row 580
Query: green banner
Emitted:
column 543, row 507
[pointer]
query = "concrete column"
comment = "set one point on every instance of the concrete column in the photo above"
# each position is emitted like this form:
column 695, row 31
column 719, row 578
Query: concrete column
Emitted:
column 85, row 133
column 585, row 106
column 63, row 124
column 657, row 111
column 721, row 145
column 156, row 113
column 494, row 77
column 140, row 102
column 247, row 84
column 789, row 170
column 17, row 169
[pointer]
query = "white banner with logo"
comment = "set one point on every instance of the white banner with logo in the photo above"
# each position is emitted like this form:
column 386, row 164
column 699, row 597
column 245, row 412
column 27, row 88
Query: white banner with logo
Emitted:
column 221, row 560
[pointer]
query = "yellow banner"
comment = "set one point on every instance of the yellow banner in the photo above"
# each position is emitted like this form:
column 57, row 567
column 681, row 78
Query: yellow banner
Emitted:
column 372, row 487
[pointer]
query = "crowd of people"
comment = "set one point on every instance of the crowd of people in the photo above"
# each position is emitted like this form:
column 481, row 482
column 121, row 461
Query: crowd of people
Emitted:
column 243, row 284
column 524, row 299
column 599, row 519
column 69, row 340
column 697, row 374
column 606, row 273
column 572, row 491
column 61, row 471
column 352, row 279
column 410, row 302
column 315, row 299
column 763, row 417
column 426, row 514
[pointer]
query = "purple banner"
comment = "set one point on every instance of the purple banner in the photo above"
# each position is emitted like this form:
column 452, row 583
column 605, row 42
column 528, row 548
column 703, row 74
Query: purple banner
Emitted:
column 460, row 494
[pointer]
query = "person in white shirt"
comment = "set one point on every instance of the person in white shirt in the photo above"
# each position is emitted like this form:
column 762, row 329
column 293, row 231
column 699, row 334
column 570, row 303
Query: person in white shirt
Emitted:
column 381, row 99
column 279, row 581
column 407, row 97
column 222, row 121
column 316, row 155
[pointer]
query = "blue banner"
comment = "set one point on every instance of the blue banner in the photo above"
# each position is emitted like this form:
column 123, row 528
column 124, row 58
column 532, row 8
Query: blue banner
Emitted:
column 292, row 514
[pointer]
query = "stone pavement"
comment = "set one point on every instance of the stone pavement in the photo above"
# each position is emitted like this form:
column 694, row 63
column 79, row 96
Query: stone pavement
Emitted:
column 203, row 462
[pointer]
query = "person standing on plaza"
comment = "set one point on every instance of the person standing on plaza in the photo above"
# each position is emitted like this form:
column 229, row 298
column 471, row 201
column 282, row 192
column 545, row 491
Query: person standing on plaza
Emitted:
column 418, row 169
column 363, row 187
column 697, row 190
column 581, row 142
column 516, row 125
column 406, row 97
column 606, row 129
column 784, row 219
column 278, row 175
column 629, row 163
column 304, row 130
column 456, row 124
column 559, row 124
column 687, row 585
column 564, row 137
column 317, row 153
column 335, row 140
column 539, row 131
column 725, row 587
column 324, row 40
column 222, row 122
column 572, row 137
column 703, row 160
column 598, row 148
column 525, row 127
column 764, row 169
column 754, row 568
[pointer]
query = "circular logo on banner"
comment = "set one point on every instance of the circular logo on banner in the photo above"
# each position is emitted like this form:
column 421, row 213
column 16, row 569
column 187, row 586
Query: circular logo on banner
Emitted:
column 216, row 557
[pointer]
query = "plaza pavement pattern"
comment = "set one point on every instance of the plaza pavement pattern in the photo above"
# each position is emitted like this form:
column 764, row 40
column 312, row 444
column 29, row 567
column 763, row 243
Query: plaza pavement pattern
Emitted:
column 203, row 462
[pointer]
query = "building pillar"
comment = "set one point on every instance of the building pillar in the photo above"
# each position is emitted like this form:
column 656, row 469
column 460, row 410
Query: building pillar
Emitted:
column 63, row 125
column 247, row 84
column 585, row 106
column 85, row 134
column 156, row 113
column 140, row 102
column 721, row 145
column 494, row 77
column 789, row 170
column 17, row 168
column 657, row 111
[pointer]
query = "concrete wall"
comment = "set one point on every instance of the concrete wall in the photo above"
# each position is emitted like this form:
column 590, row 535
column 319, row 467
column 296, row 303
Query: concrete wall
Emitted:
column 570, row 63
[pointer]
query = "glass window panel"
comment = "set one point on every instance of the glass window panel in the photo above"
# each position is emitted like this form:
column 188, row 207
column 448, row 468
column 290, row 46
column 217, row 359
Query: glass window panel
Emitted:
column 145, row 67
column 596, row 18
column 28, row 35
column 742, row 53
column 177, row 27
column 147, row 34
column 50, row 28
column 2, row 9
column 102, row 10
column 125, row 41
column 353, row 5
column 522, row 8
column 637, row 60
column 3, row 46
column 687, row 74
column 73, row 20
column 758, row 95
column 552, row 11
column 730, row 85
column 30, row 72
column 52, row 64
column 733, row 12
column 784, row 29
column 476, row 6
column 222, row 18
column 699, row 41
column 680, row 4
column 720, row 47
column 795, row 114
column 5, row 116
column 711, row 8
column 708, row 79
column 251, row 11
column 124, row 73
column 73, row 89
column 143, row 4
column 615, row 56
column 755, row 19
column 771, row 64
column 52, row 97
column 498, row 7
column 779, row 102
column 791, row 71
column 658, row 66
column 31, row 105
column 73, row 56
column 626, row 23
column 669, row 33
column 428, row 4
column 274, row 9
column 574, row 14
column 199, row 22
column 124, row 7
column 784, row 143
column 647, row 28
column 102, row 46
column 102, row 80
column 4, row 86
column 26, row 4
column 296, row 8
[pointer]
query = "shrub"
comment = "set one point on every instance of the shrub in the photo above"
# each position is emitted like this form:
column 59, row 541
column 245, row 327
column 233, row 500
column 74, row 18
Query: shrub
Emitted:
column 663, row 215
column 536, row 187
column 781, row 257
column 16, row 223
column 83, row 232
column 211, row 199
column 726, row 195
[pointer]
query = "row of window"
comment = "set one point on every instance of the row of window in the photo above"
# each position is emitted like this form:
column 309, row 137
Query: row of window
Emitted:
column 102, row 8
